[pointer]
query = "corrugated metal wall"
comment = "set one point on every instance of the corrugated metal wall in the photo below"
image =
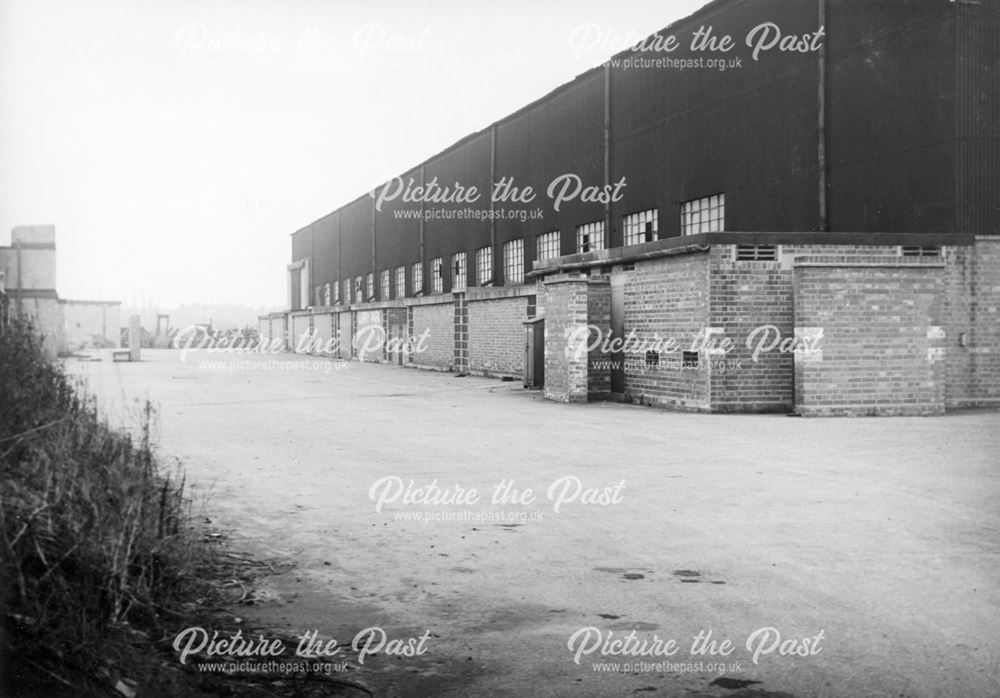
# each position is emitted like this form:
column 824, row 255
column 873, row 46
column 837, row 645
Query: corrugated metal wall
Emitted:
column 894, row 131
column 891, row 101
column 469, row 166
column 397, row 238
column 978, row 118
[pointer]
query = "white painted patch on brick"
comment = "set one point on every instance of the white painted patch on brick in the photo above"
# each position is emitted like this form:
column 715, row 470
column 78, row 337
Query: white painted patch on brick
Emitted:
column 808, row 344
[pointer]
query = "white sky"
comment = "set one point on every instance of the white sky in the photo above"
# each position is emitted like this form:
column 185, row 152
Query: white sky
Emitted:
column 176, row 144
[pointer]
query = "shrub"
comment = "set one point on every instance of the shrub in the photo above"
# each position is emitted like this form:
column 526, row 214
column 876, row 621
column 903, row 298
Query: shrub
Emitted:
column 95, row 539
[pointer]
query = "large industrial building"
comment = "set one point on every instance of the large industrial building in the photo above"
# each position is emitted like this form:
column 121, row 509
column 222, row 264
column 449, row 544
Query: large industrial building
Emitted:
column 805, row 222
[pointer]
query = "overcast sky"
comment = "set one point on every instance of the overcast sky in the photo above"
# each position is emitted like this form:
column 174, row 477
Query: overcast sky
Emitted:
column 175, row 145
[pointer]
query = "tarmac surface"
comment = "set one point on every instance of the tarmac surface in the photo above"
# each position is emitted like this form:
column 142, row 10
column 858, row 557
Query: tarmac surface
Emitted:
column 849, row 557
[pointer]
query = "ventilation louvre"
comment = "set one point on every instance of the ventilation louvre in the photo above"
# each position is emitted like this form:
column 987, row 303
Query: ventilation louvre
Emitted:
column 756, row 253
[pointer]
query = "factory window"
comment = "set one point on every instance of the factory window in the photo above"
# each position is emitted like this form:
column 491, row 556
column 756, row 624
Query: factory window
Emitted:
column 326, row 294
column 347, row 290
column 437, row 275
column 907, row 251
column 418, row 278
column 641, row 227
column 756, row 253
column 400, row 282
column 384, row 279
column 689, row 359
column 459, row 272
column 705, row 215
column 336, row 291
column 590, row 237
column 318, row 297
column 371, row 286
column 484, row 266
column 547, row 245
column 513, row 262
column 359, row 289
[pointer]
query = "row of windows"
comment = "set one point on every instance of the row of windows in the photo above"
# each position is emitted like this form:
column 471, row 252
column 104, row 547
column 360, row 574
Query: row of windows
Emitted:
column 705, row 215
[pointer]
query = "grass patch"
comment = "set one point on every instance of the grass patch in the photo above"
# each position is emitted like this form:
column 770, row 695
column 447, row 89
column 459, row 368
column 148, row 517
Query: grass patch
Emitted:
column 96, row 538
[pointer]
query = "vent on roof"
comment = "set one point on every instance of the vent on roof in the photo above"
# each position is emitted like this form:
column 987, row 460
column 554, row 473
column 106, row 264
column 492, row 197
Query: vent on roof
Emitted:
column 921, row 251
column 756, row 253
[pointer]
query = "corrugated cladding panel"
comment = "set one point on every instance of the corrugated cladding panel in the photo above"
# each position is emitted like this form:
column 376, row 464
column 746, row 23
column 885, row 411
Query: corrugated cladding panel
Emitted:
column 397, row 236
column 894, row 135
column 324, row 265
column 563, row 135
column 302, row 243
column 468, row 165
column 356, row 238
column 748, row 130
column 891, row 122
column 978, row 118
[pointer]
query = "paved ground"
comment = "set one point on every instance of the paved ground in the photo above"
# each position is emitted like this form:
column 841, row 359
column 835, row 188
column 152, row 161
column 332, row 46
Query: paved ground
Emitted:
column 881, row 534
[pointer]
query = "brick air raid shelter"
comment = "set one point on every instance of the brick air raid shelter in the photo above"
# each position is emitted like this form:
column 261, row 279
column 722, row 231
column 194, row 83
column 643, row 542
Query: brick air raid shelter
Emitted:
column 811, row 230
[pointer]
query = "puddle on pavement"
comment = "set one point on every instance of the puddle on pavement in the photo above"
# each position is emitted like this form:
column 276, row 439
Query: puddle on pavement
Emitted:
column 638, row 626
column 732, row 684
column 742, row 690
column 693, row 577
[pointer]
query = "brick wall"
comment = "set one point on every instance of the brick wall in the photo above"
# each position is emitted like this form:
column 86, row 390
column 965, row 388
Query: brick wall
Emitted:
column 599, row 319
column 566, row 309
column 299, row 327
column 666, row 298
column 461, row 332
column 497, row 334
column 961, row 283
column 899, row 335
column 973, row 324
column 369, row 341
column 751, row 306
column 882, row 347
column 276, row 325
column 984, row 344
column 438, row 319
column 323, row 331
column 394, row 326
column 345, row 332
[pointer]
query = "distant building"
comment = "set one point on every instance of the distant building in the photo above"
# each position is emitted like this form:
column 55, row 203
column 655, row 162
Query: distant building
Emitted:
column 28, row 288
